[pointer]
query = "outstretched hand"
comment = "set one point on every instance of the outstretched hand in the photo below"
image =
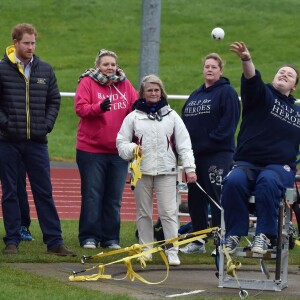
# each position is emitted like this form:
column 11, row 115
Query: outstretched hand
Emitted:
column 105, row 105
column 241, row 50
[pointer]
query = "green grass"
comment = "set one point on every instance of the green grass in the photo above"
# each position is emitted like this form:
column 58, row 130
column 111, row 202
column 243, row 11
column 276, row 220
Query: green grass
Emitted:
column 16, row 284
column 71, row 33
column 35, row 251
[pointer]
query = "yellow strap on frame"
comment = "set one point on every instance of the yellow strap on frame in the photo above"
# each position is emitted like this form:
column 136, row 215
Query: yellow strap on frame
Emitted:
column 135, row 252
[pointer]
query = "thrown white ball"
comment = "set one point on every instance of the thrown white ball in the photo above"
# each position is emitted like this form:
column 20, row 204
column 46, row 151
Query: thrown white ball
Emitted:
column 218, row 34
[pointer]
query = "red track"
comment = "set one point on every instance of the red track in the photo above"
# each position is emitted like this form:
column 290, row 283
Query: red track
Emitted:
column 66, row 194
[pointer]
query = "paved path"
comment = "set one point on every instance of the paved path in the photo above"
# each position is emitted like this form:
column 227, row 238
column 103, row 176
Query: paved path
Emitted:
column 184, row 281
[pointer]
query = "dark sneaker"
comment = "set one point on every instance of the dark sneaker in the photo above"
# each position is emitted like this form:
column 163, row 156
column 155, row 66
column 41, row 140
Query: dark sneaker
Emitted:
column 10, row 249
column 231, row 243
column 260, row 244
column 61, row 250
column 25, row 234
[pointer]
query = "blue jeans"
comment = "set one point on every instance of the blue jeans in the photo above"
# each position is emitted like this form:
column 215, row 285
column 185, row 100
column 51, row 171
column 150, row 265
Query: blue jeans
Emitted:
column 103, row 178
column 268, row 185
column 36, row 160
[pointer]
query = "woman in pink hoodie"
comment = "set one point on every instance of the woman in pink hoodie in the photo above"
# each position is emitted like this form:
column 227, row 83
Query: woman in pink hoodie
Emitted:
column 103, row 99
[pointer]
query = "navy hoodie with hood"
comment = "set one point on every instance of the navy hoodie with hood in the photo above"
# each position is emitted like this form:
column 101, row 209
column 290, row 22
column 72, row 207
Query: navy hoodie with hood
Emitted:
column 211, row 116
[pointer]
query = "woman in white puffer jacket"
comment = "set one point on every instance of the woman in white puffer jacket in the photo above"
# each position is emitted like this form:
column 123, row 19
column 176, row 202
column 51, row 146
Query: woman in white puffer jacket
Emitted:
column 162, row 136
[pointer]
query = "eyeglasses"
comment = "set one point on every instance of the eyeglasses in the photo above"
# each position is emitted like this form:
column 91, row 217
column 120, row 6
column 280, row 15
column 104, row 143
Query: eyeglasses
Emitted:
column 150, row 91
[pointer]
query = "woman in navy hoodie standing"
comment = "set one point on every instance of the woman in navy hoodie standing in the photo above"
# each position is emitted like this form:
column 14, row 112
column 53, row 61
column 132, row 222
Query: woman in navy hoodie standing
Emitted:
column 211, row 114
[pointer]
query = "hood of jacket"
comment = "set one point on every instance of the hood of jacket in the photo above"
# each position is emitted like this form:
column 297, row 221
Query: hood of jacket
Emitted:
column 220, row 82
column 10, row 53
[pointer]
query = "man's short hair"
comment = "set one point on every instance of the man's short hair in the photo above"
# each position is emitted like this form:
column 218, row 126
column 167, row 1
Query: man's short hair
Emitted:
column 20, row 29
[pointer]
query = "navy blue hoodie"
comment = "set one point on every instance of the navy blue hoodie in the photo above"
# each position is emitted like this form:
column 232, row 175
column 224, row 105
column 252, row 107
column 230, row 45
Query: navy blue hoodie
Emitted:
column 270, row 129
column 211, row 116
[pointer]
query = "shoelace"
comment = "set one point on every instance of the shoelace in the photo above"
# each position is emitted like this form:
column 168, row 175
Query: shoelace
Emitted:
column 232, row 241
column 261, row 240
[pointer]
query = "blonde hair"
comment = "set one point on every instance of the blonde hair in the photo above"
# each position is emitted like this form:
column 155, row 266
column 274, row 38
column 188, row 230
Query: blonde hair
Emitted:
column 104, row 52
column 216, row 57
column 152, row 79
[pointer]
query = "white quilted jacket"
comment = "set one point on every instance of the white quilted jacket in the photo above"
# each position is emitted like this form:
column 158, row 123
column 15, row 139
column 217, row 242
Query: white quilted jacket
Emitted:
column 161, row 141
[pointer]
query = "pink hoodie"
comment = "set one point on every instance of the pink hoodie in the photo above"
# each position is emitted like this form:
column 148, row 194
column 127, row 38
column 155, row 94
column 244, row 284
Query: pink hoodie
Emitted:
column 97, row 130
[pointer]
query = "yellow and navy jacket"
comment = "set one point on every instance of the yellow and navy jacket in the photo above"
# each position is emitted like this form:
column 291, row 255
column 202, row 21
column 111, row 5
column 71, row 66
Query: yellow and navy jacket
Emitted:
column 28, row 107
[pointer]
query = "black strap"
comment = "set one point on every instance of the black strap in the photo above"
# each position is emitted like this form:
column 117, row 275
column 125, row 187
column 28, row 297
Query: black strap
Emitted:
column 246, row 169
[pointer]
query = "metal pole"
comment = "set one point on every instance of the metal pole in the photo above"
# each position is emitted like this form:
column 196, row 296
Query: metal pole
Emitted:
column 279, row 243
column 150, row 38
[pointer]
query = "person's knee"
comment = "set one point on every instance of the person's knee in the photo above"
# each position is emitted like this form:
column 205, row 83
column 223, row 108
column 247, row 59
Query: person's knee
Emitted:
column 269, row 184
column 233, row 182
column 269, row 193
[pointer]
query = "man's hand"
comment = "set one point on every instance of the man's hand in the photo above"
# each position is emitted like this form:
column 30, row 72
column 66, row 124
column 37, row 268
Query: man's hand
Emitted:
column 105, row 105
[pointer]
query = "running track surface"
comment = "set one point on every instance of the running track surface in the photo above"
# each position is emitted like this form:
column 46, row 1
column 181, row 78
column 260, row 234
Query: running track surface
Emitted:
column 66, row 194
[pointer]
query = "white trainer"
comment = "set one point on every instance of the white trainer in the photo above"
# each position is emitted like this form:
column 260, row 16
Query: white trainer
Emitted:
column 114, row 247
column 146, row 257
column 173, row 259
column 89, row 245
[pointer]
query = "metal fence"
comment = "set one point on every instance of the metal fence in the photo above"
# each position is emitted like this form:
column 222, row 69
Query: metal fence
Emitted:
column 171, row 97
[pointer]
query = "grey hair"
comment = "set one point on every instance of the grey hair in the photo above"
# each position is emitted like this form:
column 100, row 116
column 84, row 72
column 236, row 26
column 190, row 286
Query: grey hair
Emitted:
column 104, row 52
column 152, row 79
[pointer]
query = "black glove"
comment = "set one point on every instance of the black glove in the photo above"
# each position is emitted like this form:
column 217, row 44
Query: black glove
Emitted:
column 105, row 105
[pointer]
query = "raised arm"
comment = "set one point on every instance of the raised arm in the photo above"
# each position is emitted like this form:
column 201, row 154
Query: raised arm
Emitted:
column 241, row 50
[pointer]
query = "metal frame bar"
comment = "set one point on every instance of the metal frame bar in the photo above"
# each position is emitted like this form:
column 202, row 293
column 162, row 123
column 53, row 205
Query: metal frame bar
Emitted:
column 280, row 278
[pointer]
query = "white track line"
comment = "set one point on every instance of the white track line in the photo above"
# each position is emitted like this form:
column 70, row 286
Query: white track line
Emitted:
column 185, row 294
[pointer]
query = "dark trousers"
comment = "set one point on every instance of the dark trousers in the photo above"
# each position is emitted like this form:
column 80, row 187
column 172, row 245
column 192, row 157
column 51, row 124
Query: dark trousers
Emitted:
column 268, row 185
column 210, row 170
column 23, row 197
column 103, row 178
column 36, row 160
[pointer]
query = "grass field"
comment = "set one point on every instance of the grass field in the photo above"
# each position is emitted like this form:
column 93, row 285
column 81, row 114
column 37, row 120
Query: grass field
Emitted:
column 36, row 251
column 71, row 33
